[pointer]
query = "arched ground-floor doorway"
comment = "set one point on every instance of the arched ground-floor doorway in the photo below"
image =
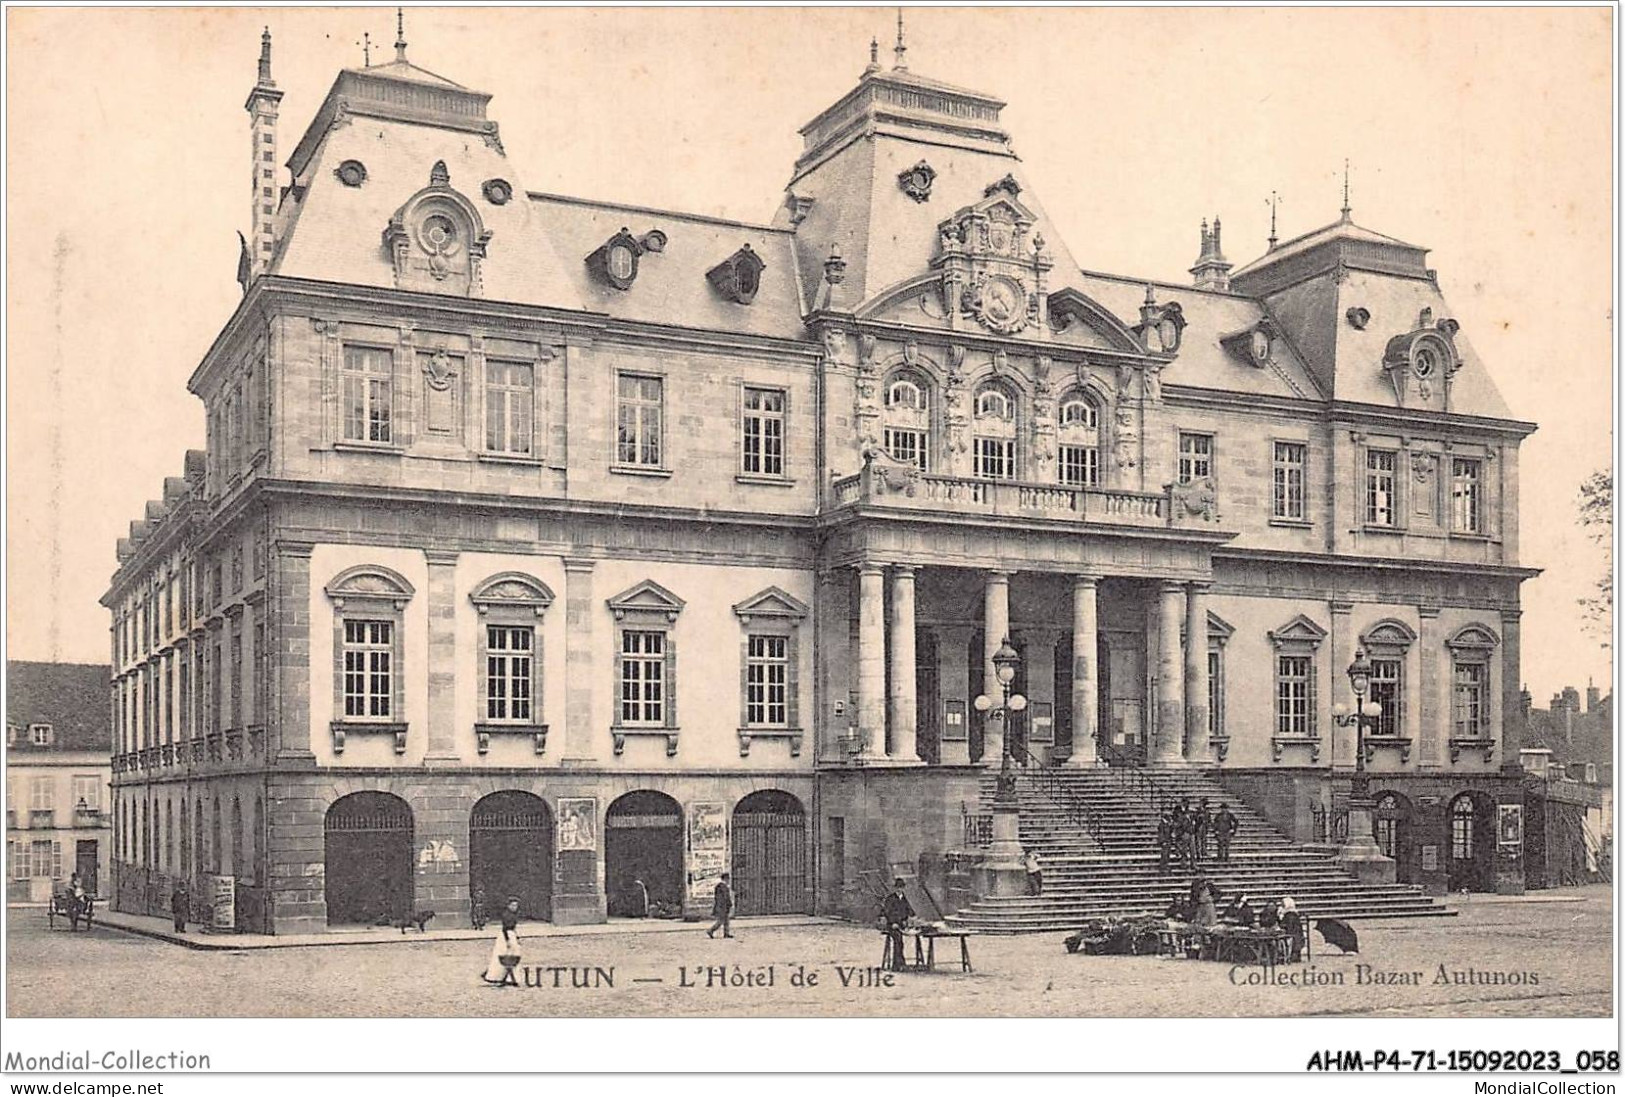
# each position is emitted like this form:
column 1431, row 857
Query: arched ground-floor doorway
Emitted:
column 510, row 854
column 1391, row 823
column 770, row 854
column 367, row 859
column 643, row 841
column 1470, row 826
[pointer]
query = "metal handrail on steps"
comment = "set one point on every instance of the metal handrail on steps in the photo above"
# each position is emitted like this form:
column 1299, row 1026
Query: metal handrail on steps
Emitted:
column 1132, row 779
column 1077, row 809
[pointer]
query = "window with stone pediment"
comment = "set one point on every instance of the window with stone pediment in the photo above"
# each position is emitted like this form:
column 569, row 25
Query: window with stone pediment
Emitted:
column 1297, row 645
column 645, row 662
column 510, row 607
column 1387, row 643
column 369, row 604
column 1471, row 648
column 770, row 665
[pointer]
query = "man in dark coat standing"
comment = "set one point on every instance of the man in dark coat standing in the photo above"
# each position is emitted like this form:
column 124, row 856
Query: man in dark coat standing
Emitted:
column 895, row 912
column 1165, row 841
column 722, row 906
column 180, row 899
column 1225, row 825
column 1203, row 822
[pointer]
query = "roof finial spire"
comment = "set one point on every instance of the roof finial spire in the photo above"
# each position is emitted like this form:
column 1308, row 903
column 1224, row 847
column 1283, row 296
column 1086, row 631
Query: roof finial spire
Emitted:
column 1347, row 211
column 1275, row 201
column 366, row 50
column 874, row 55
column 899, row 50
column 265, row 80
column 400, row 34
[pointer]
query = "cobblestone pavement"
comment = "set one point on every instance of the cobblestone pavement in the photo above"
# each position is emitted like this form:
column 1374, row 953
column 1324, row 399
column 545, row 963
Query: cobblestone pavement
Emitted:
column 1550, row 959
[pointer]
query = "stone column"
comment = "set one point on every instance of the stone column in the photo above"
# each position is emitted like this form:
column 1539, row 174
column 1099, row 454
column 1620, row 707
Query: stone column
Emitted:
column 1512, row 719
column 1085, row 671
column 578, row 662
column 1341, row 655
column 1197, row 751
column 1170, row 677
column 904, row 695
column 289, row 725
column 995, row 630
column 953, row 681
column 442, row 715
column 1430, row 718
column 872, row 660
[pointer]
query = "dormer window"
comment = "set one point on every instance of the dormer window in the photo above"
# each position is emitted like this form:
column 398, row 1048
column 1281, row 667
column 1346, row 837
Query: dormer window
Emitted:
column 739, row 276
column 617, row 261
column 40, row 735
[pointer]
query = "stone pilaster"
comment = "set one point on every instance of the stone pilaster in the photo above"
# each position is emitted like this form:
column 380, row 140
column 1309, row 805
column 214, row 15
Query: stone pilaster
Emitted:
column 579, row 670
column 289, row 726
column 1512, row 718
column 442, row 714
column 1430, row 725
column 1340, row 655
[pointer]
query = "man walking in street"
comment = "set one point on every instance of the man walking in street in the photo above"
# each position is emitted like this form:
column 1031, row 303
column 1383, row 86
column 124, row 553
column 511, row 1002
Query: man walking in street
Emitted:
column 1035, row 874
column 180, row 899
column 1225, row 825
column 722, row 906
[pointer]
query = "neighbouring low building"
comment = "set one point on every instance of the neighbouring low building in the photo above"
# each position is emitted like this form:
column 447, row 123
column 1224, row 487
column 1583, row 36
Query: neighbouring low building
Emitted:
column 566, row 549
column 59, row 753
column 1569, row 754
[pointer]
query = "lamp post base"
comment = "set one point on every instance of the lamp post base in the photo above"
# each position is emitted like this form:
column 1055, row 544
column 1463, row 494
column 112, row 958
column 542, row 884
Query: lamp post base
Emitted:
column 1360, row 856
column 1004, row 873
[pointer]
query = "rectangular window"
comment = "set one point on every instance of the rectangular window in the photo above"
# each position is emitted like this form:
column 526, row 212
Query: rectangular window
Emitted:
column 509, row 398
column 1387, row 690
column 762, row 432
column 47, row 859
column 183, row 701
column 42, row 794
column 1080, row 466
column 508, row 655
column 368, row 394
column 169, row 700
column 638, row 408
column 1294, row 714
column 261, row 671
column 643, row 678
column 368, row 671
column 1461, row 836
column 1215, row 694
column 1289, row 475
column 87, row 792
column 236, row 677
column 995, row 458
column 907, row 446
column 1380, row 502
column 1195, row 457
column 40, row 734
column 18, row 855
column 1465, row 511
column 1471, row 700
column 767, row 681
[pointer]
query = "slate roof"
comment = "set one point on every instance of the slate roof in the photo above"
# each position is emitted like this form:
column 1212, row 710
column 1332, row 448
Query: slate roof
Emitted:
column 71, row 697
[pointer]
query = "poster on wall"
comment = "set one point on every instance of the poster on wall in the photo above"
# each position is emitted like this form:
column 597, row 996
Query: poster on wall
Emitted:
column 222, row 902
column 707, row 849
column 578, row 824
column 1509, row 831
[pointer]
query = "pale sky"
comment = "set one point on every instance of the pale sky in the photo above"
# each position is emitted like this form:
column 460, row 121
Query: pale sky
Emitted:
column 1483, row 134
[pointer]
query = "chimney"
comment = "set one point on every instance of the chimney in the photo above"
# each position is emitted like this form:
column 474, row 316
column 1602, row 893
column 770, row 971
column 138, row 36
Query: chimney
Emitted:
column 1212, row 270
column 1593, row 695
column 262, row 107
column 1526, row 701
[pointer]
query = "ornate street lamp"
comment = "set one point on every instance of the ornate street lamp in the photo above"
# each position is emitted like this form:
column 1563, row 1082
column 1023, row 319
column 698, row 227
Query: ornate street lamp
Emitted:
column 1361, row 854
column 1005, row 662
column 1002, row 872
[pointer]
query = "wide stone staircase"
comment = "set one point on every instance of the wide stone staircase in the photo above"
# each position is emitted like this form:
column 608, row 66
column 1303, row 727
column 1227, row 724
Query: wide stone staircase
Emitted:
column 1095, row 831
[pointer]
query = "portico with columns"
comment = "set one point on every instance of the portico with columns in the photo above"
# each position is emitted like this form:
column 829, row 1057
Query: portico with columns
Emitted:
column 1102, row 624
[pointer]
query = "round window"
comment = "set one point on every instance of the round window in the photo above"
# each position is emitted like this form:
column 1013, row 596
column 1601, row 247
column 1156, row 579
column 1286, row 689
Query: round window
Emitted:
column 1425, row 362
column 439, row 234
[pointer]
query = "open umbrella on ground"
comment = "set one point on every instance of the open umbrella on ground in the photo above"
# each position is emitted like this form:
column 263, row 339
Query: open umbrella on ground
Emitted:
column 1338, row 933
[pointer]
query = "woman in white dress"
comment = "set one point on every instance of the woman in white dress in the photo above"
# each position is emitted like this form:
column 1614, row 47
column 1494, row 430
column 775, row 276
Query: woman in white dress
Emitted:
column 505, row 944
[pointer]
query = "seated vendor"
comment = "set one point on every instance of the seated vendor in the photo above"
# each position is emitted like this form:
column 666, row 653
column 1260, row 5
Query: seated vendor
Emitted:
column 1240, row 912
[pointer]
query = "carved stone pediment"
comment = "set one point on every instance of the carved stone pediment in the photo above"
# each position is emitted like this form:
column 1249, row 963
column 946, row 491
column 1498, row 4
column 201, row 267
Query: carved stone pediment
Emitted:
column 993, row 265
column 1426, row 357
column 437, row 240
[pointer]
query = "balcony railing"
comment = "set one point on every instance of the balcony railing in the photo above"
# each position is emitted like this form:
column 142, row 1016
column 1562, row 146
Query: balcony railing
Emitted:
column 42, row 819
column 904, row 487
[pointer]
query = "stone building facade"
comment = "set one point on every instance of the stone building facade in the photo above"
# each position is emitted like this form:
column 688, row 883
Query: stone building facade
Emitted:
column 579, row 551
